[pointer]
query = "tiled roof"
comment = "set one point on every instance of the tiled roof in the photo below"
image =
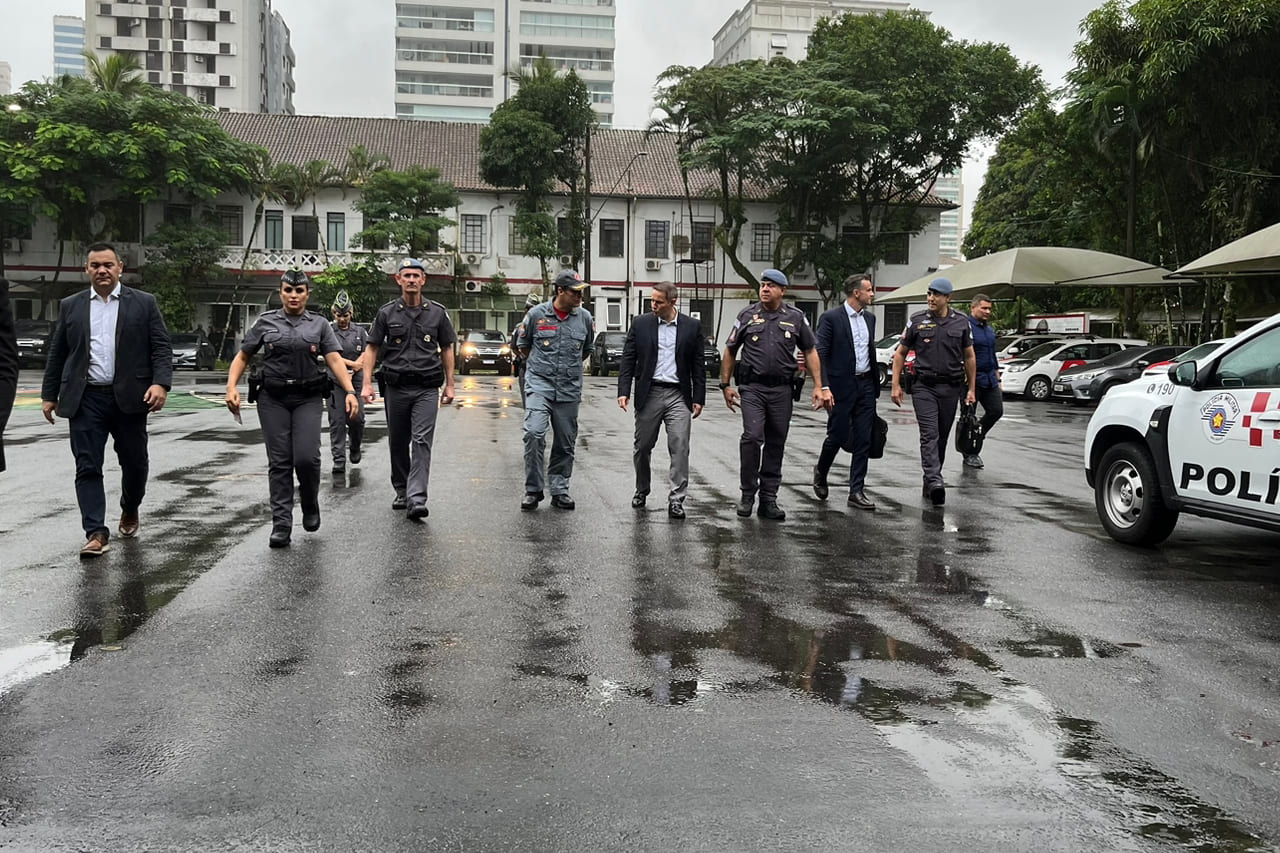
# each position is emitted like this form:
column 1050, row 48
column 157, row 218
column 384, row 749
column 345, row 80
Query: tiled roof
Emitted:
column 454, row 149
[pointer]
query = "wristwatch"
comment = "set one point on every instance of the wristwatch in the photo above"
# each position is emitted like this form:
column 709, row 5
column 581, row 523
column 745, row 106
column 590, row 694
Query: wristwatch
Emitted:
column 353, row 393
column 724, row 385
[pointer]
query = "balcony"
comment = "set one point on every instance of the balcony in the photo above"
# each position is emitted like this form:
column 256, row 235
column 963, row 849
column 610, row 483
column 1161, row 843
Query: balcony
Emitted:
column 313, row 260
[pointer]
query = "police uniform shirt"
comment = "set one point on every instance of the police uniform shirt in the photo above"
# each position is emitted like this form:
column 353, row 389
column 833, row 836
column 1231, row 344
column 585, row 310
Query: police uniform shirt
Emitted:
column 766, row 341
column 939, row 343
column 351, row 340
column 290, row 344
column 410, row 340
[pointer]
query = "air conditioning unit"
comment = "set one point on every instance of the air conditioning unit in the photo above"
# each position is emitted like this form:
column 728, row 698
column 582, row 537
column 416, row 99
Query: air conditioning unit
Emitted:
column 566, row 260
column 474, row 286
column 653, row 265
column 472, row 259
column 13, row 246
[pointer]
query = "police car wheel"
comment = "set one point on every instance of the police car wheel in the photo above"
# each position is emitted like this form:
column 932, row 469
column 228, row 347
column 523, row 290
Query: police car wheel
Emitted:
column 882, row 374
column 1127, row 497
column 1039, row 389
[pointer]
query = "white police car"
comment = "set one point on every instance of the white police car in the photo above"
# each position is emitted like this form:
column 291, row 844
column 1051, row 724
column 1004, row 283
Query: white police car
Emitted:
column 1203, row 439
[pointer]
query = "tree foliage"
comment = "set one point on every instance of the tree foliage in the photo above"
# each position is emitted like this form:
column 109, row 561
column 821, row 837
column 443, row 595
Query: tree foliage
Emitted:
column 181, row 256
column 405, row 209
column 364, row 281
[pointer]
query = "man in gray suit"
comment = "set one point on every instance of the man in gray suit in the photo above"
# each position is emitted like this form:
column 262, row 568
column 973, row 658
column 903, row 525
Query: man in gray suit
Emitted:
column 846, row 349
column 663, row 354
column 8, row 363
column 109, row 365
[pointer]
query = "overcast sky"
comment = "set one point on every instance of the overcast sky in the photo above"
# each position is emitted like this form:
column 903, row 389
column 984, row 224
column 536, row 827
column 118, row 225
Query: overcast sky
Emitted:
column 345, row 59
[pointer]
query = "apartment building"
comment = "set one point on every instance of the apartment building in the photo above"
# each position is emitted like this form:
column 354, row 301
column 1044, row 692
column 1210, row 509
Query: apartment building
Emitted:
column 68, row 45
column 452, row 58
column 231, row 54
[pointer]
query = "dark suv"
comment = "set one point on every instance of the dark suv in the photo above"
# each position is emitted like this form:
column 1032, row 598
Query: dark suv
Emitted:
column 33, row 342
column 711, row 357
column 486, row 349
column 606, row 352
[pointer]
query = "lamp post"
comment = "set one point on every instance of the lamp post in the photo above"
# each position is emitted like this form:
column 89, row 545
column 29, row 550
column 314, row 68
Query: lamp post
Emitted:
column 591, row 218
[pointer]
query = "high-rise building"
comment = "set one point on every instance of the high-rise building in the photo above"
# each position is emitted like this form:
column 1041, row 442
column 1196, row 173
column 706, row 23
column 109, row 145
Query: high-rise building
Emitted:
column 68, row 46
column 230, row 54
column 6, row 78
column 763, row 29
column 451, row 60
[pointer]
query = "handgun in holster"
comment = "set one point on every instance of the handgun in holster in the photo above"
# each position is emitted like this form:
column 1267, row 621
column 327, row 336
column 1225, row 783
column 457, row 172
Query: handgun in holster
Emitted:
column 255, row 385
column 382, row 384
column 797, row 386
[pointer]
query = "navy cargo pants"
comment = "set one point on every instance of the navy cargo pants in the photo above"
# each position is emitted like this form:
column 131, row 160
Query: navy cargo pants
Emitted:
column 935, row 407
column 766, row 419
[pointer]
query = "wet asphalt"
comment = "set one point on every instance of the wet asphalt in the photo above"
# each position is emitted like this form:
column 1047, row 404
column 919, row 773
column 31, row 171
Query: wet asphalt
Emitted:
column 997, row 674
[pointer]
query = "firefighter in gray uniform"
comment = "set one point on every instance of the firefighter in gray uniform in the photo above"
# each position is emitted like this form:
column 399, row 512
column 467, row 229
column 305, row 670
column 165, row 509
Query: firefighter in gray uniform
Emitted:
column 761, row 355
column 945, row 367
column 416, row 338
column 555, row 338
column 351, row 339
column 290, row 394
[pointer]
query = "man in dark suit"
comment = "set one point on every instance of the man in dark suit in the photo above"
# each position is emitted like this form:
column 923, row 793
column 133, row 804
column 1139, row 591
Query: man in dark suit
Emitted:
column 109, row 365
column 846, row 349
column 8, row 363
column 663, row 355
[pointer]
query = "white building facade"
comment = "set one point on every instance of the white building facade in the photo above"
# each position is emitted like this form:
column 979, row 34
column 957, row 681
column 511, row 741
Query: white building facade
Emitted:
column 6, row 78
column 452, row 57
column 230, row 54
column 68, row 46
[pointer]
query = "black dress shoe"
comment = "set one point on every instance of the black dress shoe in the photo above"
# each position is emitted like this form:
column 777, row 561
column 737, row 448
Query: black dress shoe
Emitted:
column 418, row 511
column 530, row 500
column 400, row 502
column 311, row 521
column 745, row 506
column 339, row 468
column 973, row 460
column 938, row 494
column 675, row 510
column 355, row 454
column 279, row 538
column 820, row 484
column 562, row 502
column 637, row 500
column 859, row 500
column 771, row 511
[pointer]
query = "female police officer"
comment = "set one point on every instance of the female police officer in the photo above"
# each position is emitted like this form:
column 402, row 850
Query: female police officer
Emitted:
column 293, row 390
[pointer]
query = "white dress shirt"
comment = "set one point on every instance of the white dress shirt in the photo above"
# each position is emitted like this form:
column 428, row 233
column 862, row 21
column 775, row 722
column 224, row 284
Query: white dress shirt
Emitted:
column 103, row 315
column 664, row 370
column 861, row 338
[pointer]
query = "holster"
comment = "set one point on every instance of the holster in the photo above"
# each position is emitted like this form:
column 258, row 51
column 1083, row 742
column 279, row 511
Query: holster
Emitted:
column 255, row 386
column 797, row 386
column 382, row 383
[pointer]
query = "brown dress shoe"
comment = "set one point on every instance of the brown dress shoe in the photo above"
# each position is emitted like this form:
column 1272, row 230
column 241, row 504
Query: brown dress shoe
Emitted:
column 95, row 546
column 128, row 525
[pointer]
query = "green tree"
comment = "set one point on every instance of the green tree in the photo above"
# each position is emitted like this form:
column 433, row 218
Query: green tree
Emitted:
column 120, row 72
column 364, row 281
column 179, row 258
column 405, row 209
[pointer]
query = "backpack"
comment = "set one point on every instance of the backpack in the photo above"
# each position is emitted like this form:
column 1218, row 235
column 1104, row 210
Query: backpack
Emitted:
column 969, row 430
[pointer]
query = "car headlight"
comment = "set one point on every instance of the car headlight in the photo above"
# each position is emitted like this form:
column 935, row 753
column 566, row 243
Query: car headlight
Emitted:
column 1016, row 368
column 506, row 350
column 1084, row 377
column 469, row 349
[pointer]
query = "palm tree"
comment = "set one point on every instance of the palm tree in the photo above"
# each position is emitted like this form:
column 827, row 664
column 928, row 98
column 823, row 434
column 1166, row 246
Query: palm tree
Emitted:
column 299, row 183
column 359, row 166
column 120, row 72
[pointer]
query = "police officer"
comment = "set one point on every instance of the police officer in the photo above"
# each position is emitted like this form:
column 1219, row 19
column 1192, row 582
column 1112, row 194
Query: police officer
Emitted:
column 764, row 338
column 554, row 339
column 990, row 395
column 294, row 386
column 418, row 340
column 351, row 339
column 945, row 368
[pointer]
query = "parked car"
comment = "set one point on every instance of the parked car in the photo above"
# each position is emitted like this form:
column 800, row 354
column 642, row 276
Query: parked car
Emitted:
column 33, row 341
column 1202, row 441
column 1197, row 352
column 193, row 351
column 1032, row 374
column 485, row 349
column 885, row 347
column 711, row 357
column 1012, row 346
column 606, row 352
column 1088, row 383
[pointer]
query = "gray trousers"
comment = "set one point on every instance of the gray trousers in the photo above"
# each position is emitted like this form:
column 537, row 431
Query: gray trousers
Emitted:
column 935, row 407
column 411, row 430
column 663, row 406
column 541, row 414
column 340, row 427
column 766, row 419
column 291, row 430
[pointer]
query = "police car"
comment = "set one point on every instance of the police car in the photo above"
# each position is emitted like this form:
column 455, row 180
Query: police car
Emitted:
column 1202, row 439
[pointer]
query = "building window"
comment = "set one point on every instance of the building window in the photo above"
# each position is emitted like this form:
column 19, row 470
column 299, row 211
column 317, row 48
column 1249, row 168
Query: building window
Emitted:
column 448, row 85
column 610, row 238
column 515, row 240
column 597, row 27
column 336, row 231
column 762, row 241
column 703, row 246
column 472, row 232
column 416, row 16
column 566, row 236
column 273, row 230
column 896, row 248
column 230, row 219
column 657, row 233
column 306, row 232
column 443, row 50
column 177, row 213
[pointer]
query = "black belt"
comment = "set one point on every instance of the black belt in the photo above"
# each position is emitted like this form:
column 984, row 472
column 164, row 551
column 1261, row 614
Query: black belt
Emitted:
column 656, row 384
column 934, row 379
column 100, row 389
column 866, row 374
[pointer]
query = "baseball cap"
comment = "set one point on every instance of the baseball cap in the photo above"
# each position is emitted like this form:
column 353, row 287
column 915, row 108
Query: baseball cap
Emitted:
column 413, row 263
column 941, row 285
column 570, row 280
column 774, row 276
